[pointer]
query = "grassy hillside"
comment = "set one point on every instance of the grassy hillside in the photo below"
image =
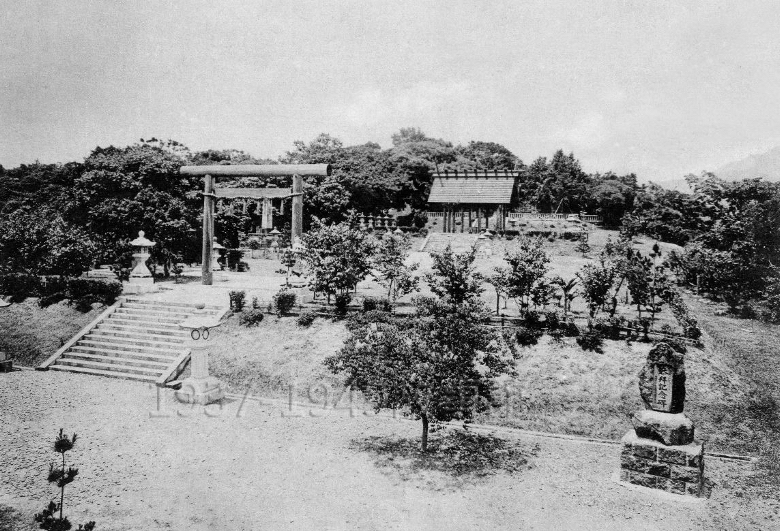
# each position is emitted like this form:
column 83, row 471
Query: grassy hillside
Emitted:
column 30, row 334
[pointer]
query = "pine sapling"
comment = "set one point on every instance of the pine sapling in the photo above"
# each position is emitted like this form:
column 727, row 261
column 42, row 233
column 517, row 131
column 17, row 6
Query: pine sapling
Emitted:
column 61, row 476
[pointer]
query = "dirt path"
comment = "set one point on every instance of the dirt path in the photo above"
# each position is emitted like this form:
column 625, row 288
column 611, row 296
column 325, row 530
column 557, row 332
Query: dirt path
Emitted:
column 144, row 468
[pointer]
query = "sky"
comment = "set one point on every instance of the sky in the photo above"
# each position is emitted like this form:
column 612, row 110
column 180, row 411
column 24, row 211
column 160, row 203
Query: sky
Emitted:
column 657, row 88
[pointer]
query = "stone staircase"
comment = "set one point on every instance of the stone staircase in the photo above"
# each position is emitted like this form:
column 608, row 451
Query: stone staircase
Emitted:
column 438, row 241
column 134, row 339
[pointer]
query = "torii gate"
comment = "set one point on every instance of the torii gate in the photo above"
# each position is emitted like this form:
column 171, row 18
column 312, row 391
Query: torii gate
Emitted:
column 211, row 193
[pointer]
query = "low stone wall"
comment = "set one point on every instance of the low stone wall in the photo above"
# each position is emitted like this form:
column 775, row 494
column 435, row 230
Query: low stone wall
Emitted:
column 675, row 469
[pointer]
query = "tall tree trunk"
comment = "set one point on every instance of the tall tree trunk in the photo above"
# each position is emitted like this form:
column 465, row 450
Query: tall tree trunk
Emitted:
column 425, row 433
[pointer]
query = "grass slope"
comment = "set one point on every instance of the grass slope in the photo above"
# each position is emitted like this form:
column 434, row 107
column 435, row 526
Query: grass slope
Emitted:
column 30, row 334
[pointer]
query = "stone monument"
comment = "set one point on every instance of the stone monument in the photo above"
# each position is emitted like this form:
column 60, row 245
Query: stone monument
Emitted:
column 141, row 280
column 199, row 387
column 660, row 452
column 6, row 365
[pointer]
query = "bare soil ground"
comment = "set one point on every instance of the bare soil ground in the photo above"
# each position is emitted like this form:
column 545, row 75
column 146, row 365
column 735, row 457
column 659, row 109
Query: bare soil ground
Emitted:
column 144, row 467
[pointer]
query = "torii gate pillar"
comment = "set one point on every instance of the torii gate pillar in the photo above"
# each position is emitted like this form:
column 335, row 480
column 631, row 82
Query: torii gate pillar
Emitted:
column 297, row 208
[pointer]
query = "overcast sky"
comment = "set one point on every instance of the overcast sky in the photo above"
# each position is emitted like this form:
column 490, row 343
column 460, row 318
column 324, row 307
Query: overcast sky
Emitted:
column 652, row 87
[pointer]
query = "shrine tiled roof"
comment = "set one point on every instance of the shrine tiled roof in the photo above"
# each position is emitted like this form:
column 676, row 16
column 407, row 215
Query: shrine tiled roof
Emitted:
column 473, row 188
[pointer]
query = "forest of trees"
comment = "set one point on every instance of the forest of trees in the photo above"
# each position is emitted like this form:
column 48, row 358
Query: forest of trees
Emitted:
column 61, row 218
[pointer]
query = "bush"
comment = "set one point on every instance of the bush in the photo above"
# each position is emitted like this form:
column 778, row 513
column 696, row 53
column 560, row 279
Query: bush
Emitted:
column 306, row 318
column 424, row 232
column 570, row 329
column 250, row 318
column 356, row 321
column 532, row 319
column 255, row 303
column 104, row 292
column 84, row 304
column 53, row 298
column 284, row 301
column 342, row 301
column 609, row 328
column 552, row 320
column 526, row 336
column 591, row 340
column 20, row 286
column 377, row 303
column 237, row 300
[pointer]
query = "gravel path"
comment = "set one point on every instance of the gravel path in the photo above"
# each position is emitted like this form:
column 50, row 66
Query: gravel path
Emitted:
column 144, row 468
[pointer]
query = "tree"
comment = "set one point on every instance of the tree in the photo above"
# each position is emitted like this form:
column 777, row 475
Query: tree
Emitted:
column 338, row 257
column 500, row 281
column 596, row 280
column 42, row 243
column 527, row 266
column 61, row 476
column 454, row 278
column 391, row 269
column 439, row 366
column 568, row 291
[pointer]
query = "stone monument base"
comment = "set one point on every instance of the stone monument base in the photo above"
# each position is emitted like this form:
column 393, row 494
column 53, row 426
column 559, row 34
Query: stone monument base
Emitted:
column 138, row 285
column 201, row 390
column 6, row 366
column 675, row 469
column 672, row 429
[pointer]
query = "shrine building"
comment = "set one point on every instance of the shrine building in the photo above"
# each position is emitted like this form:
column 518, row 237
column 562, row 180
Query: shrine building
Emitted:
column 471, row 201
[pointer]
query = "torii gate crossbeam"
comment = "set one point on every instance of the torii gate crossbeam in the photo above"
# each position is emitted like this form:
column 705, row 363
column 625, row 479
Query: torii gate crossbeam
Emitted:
column 297, row 171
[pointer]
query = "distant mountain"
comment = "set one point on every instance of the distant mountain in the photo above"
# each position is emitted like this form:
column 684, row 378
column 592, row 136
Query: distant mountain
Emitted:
column 765, row 165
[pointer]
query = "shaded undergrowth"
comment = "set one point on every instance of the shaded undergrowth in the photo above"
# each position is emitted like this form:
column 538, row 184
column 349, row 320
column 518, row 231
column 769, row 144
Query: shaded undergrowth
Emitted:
column 454, row 457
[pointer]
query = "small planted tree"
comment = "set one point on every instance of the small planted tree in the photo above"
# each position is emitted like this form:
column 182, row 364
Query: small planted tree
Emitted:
column 438, row 367
column 338, row 256
column 527, row 267
column 500, row 282
column 391, row 269
column 288, row 260
column 47, row 518
column 568, row 292
column 597, row 280
column 454, row 278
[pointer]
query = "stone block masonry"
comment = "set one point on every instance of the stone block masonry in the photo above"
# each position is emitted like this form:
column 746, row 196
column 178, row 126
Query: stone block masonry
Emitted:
column 675, row 469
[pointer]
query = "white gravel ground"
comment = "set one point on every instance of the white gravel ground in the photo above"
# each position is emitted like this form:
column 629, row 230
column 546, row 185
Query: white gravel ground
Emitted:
column 184, row 469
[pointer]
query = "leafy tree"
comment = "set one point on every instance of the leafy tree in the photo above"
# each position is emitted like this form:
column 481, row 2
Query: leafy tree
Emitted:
column 454, row 278
column 61, row 476
column 42, row 243
column 438, row 367
column 487, row 156
column 391, row 269
column 568, row 291
column 597, row 280
column 338, row 257
column 500, row 282
column 527, row 266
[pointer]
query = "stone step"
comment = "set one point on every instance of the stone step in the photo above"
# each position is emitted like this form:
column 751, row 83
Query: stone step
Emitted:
column 172, row 332
column 109, row 367
column 129, row 345
column 118, row 352
column 165, row 309
column 98, row 372
column 115, row 360
column 143, row 323
column 141, row 338
column 127, row 316
column 148, row 302
column 152, row 312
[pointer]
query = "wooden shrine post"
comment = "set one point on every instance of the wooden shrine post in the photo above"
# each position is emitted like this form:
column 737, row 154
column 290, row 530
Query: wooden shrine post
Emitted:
column 297, row 208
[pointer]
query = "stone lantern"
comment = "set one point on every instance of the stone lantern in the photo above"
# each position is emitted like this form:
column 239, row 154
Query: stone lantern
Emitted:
column 141, row 280
column 199, row 387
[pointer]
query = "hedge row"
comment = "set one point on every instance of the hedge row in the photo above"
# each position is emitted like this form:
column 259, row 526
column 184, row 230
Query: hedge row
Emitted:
column 52, row 289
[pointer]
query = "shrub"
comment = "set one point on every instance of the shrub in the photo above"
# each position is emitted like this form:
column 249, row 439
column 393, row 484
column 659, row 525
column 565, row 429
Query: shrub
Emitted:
column 591, row 340
column 377, row 303
column 532, row 319
column 284, row 301
column 342, row 301
column 53, row 298
column 104, row 292
column 570, row 329
column 255, row 302
column 552, row 320
column 527, row 336
column 306, row 318
column 556, row 335
column 250, row 318
column 424, row 232
column 84, row 304
column 357, row 321
column 609, row 328
column 237, row 300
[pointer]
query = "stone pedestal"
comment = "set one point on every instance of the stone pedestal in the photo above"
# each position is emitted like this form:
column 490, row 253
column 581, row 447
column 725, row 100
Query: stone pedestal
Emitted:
column 672, row 429
column 200, row 388
column 675, row 469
